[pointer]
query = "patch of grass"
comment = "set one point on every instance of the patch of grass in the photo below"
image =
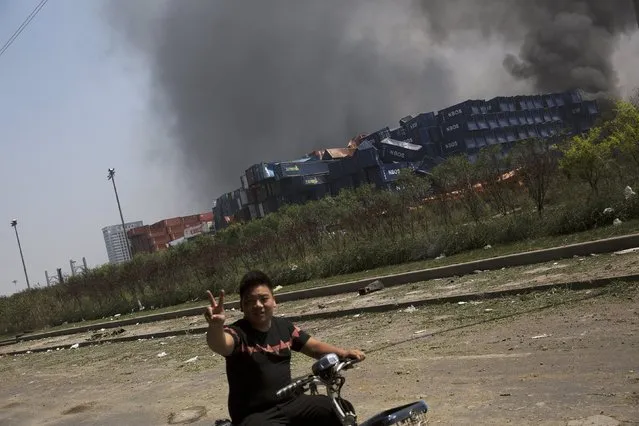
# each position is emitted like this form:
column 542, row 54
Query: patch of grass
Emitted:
column 627, row 228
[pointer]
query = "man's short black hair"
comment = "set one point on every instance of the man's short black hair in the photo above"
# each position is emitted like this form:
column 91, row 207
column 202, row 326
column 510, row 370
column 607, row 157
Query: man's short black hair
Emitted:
column 252, row 279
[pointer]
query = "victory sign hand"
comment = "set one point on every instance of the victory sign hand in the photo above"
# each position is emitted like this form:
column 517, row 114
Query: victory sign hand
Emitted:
column 214, row 314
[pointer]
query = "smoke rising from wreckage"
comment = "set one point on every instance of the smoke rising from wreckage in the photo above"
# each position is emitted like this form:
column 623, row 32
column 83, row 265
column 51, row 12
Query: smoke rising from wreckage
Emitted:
column 243, row 82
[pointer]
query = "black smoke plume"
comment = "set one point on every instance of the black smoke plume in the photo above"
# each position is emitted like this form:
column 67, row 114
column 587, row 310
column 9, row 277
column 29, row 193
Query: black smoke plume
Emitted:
column 564, row 44
column 249, row 81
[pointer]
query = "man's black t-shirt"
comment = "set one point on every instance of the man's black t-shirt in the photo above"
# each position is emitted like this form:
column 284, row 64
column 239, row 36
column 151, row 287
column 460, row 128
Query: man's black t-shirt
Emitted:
column 260, row 364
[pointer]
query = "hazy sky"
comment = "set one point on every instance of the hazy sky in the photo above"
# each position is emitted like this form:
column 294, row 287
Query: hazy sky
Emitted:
column 69, row 110
column 75, row 101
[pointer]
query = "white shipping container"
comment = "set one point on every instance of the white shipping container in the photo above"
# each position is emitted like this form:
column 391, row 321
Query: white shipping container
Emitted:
column 193, row 231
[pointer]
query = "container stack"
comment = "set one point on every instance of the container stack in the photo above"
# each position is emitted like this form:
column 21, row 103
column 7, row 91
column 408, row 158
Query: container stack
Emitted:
column 156, row 237
column 419, row 144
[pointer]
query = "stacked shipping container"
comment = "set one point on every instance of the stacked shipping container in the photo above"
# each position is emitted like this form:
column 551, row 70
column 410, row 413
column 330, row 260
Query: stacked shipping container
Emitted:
column 156, row 237
column 419, row 143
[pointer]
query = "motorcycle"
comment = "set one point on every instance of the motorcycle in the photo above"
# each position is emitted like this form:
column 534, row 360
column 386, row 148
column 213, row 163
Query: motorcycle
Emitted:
column 327, row 372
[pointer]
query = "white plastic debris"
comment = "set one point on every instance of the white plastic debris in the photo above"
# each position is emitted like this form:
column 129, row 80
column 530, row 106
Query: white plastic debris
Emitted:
column 617, row 222
column 28, row 352
column 461, row 303
column 487, row 247
column 441, row 256
column 161, row 354
column 103, row 329
column 628, row 193
column 608, row 210
column 162, row 343
column 488, row 310
column 116, row 315
column 628, row 251
column 190, row 360
column 75, row 346
column 420, row 331
column 277, row 288
column 541, row 336
column 410, row 309
column 357, row 315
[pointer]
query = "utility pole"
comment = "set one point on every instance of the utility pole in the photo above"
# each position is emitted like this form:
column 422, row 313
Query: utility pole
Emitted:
column 14, row 225
column 111, row 177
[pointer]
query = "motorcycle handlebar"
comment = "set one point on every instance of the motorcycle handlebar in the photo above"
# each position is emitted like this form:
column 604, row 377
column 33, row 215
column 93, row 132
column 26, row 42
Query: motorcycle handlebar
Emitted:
column 294, row 387
column 298, row 384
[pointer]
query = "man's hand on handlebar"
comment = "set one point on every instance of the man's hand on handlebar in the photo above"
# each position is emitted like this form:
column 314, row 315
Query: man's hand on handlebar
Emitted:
column 354, row 354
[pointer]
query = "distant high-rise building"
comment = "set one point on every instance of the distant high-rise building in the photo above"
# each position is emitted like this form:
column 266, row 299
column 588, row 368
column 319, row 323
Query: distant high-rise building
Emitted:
column 116, row 241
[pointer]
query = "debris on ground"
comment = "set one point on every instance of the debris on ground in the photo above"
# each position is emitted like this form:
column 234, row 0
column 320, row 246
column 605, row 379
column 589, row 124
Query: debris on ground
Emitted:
column 541, row 336
column 374, row 286
column 487, row 247
column 628, row 193
column 75, row 346
column 190, row 360
column 597, row 420
column 162, row 354
column 277, row 288
column 105, row 334
column 188, row 415
column 608, row 211
column 617, row 222
column 410, row 309
column 627, row 251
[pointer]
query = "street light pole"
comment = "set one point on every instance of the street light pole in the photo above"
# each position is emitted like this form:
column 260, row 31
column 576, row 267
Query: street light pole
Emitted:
column 111, row 177
column 14, row 225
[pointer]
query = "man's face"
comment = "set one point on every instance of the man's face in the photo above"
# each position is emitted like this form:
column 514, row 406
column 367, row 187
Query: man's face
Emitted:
column 258, row 305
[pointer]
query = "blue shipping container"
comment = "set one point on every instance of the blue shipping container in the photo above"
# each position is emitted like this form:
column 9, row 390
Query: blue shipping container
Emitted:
column 399, row 134
column 425, row 119
column 366, row 158
column 454, row 144
column 400, row 151
column 284, row 170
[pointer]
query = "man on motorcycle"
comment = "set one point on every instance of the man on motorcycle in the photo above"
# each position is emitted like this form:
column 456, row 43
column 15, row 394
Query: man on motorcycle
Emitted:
column 257, row 349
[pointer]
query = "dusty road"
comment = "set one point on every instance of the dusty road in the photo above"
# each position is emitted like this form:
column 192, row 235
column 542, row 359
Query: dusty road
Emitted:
column 549, row 359
column 562, row 271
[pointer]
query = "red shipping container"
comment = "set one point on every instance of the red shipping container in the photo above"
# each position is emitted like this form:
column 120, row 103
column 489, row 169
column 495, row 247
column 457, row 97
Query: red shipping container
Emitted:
column 140, row 230
column 159, row 233
column 174, row 221
column 191, row 219
column 206, row 217
column 175, row 229
column 157, row 226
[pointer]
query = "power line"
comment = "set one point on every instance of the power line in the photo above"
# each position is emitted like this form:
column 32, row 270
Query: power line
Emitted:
column 22, row 26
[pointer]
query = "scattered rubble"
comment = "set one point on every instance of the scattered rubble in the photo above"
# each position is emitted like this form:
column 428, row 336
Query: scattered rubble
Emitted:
column 628, row 193
column 103, row 334
column 374, row 286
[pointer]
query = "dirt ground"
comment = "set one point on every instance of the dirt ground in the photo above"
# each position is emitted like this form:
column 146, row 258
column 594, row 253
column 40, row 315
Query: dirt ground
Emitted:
column 553, row 358
column 566, row 270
